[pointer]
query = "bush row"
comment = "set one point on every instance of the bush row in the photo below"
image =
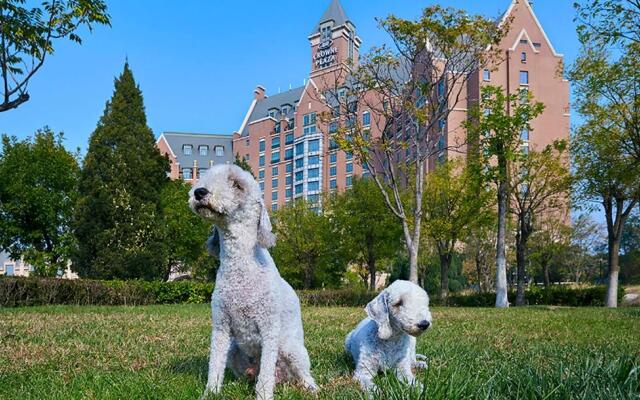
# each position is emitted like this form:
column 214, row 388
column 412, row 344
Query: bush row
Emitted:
column 16, row 292
column 592, row 296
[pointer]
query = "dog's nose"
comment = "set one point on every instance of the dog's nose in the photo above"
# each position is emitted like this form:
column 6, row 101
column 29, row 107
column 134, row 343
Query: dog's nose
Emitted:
column 424, row 325
column 199, row 193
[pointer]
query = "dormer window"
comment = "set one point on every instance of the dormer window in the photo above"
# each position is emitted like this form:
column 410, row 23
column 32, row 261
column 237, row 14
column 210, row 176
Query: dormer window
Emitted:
column 187, row 149
column 285, row 110
column 203, row 150
column 342, row 92
column 273, row 113
column 219, row 151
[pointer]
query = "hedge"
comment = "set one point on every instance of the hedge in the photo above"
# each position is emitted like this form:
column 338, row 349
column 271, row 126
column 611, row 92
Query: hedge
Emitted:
column 16, row 292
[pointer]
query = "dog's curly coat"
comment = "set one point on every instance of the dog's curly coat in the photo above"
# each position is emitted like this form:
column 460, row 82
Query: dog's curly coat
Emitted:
column 257, row 325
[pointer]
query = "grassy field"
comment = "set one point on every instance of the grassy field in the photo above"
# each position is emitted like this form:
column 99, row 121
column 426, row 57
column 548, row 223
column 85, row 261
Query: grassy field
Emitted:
column 160, row 352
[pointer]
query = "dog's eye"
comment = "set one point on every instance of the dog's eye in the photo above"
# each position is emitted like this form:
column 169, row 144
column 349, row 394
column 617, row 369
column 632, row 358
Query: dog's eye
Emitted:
column 398, row 303
column 236, row 185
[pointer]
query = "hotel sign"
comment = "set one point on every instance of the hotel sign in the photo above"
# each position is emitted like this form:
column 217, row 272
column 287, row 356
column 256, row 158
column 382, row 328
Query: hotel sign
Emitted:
column 326, row 54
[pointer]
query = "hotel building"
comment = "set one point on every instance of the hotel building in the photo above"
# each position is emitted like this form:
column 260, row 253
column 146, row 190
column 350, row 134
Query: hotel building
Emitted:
column 291, row 152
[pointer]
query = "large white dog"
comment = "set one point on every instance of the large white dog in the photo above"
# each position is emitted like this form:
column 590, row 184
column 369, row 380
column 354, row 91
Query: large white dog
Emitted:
column 387, row 338
column 257, row 326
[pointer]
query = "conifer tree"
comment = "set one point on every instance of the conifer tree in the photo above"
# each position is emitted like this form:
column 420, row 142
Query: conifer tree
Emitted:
column 118, row 213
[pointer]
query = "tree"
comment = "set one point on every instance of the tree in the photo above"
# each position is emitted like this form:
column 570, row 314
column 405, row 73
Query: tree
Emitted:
column 303, row 252
column 118, row 220
column 27, row 36
column 451, row 207
column 409, row 89
column 540, row 182
column 549, row 243
column 498, row 121
column 364, row 225
column 38, row 178
column 184, row 233
column 242, row 163
column 611, row 177
column 608, row 22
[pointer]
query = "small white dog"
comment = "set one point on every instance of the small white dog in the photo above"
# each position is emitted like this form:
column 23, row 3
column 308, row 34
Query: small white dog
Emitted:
column 257, row 325
column 387, row 338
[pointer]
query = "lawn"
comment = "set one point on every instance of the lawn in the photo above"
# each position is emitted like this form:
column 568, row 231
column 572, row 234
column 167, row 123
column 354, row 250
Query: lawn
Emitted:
column 160, row 352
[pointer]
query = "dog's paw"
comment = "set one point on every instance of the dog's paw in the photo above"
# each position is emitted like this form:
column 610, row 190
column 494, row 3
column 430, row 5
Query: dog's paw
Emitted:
column 208, row 392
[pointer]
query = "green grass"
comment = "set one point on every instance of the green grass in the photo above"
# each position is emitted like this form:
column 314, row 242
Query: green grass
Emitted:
column 160, row 352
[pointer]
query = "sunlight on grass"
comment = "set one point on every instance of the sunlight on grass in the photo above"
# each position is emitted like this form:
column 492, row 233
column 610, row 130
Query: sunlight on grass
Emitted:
column 161, row 352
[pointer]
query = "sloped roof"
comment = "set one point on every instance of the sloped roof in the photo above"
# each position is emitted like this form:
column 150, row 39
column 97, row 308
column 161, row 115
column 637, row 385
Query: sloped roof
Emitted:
column 334, row 13
column 176, row 140
column 262, row 107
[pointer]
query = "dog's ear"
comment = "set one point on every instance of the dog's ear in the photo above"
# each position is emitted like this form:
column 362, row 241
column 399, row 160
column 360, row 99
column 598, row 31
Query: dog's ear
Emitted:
column 378, row 311
column 213, row 243
column 266, row 238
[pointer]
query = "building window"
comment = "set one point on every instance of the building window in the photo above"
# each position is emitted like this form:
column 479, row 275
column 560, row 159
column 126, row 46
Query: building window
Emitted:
column 219, row 151
column 275, row 157
column 342, row 92
column 274, row 171
column 333, row 144
column 261, row 161
column 524, row 96
column 285, row 110
column 203, row 150
column 333, row 158
column 262, row 186
column 486, row 75
column 313, row 198
column 349, row 181
column 349, row 167
column 291, row 123
column 247, row 142
column 262, row 145
column 274, row 183
column 288, row 153
column 247, row 157
column 9, row 269
column 186, row 173
column 288, row 168
column 300, row 148
column 274, row 207
column 523, row 57
column 299, row 176
column 524, row 135
column 202, row 171
column 273, row 113
column 314, row 172
column 537, row 45
column 523, row 41
column 333, row 184
column 288, row 180
column 333, row 127
column 366, row 118
column 441, row 88
column 313, row 160
column 524, row 77
column 309, row 122
column 313, row 186
column 275, row 142
column 187, row 149
column 288, row 193
column 299, row 188
column 288, row 138
column 261, row 174
column 348, row 155
column 299, row 162
column 333, row 170
column 314, row 145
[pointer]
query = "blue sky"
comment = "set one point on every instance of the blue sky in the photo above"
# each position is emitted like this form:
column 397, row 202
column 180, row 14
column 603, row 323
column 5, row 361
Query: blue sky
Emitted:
column 198, row 63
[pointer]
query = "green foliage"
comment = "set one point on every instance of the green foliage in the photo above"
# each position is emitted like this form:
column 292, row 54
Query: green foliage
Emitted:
column 118, row 220
column 244, row 164
column 184, row 234
column 553, row 295
column 608, row 22
column 304, row 253
column 28, row 35
column 18, row 292
column 363, row 227
column 38, row 179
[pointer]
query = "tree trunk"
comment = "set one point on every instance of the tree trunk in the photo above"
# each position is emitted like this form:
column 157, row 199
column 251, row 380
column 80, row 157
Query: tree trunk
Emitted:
column 479, row 259
column 501, row 257
column 371, row 265
column 545, row 273
column 521, row 247
column 614, row 271
column 445, row 262
column 413, row 263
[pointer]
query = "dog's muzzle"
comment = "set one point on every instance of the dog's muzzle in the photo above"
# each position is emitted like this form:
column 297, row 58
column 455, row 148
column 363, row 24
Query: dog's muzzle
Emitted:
column 200, row 193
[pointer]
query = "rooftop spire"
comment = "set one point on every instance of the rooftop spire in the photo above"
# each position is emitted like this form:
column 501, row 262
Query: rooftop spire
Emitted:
column 334, row 13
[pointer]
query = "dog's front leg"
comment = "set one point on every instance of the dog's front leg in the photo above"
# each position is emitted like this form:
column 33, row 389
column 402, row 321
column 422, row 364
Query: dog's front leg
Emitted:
column 220, row 343
column 269, row 357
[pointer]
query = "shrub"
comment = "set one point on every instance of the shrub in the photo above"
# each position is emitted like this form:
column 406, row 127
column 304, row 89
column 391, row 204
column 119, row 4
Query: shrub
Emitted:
column 15, row 292
column 336, row 297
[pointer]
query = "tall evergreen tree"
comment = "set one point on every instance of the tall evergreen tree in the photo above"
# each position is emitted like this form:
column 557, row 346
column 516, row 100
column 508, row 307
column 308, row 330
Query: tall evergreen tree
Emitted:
column 119, row 211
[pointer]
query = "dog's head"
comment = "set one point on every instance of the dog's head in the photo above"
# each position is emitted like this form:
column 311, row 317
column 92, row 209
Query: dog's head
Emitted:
column 227, row 194
column 402, row 307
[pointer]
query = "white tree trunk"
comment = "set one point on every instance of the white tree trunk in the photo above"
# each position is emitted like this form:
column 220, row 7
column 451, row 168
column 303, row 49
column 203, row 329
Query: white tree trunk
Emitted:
column 501, row 258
